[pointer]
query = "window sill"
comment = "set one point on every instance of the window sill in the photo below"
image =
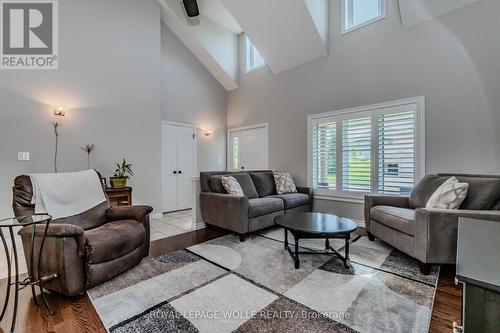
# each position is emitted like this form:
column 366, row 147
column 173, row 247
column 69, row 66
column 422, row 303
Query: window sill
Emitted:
column 357, row 198
column 246, row 71
column 362, row 25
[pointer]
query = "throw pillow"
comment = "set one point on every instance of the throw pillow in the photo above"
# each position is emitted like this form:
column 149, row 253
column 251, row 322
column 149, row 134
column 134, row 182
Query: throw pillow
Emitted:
column 232, row 186
column 449, row 195
column 284, row 183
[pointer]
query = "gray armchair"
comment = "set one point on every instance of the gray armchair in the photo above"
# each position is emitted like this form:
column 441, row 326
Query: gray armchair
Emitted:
column 430, row 235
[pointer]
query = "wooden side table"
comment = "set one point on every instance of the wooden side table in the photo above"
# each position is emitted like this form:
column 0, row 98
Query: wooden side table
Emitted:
column 119, row 196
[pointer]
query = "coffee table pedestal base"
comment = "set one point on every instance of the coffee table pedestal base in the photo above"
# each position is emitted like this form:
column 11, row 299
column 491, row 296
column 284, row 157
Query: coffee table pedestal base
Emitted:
column 329, row 250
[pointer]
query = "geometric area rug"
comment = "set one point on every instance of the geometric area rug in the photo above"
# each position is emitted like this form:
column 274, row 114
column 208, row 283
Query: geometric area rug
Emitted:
column 224, row 285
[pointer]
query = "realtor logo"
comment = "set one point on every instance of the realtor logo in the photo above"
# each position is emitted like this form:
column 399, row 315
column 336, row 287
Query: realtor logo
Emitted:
column 29, row 34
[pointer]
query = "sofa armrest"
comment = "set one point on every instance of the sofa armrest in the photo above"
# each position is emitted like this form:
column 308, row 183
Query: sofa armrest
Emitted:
column 225, row 211
column 309, row 192
column 436, row 232
column 137, row 213
column 372, row 200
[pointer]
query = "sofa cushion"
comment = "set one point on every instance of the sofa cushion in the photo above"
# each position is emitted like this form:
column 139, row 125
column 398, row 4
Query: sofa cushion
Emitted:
column 450, row 195
column 232, row 186
column 292, row 200
column 113, row 240
column 243, row 179
column 483, row 193
column 284, row 183
column 264, row 183
column 402, row 219
column 263, row 206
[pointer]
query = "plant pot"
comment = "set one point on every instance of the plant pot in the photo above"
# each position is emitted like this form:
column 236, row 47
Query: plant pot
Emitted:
column 118, row 181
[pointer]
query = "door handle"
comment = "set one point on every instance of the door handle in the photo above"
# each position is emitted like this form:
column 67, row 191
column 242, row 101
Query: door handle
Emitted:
column 242, row 168
column 180, row 172
column 175, row 172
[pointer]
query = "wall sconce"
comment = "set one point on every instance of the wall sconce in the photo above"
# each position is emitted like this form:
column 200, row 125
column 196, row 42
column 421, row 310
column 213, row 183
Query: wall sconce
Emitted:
column 59, row 112
column 207, row 132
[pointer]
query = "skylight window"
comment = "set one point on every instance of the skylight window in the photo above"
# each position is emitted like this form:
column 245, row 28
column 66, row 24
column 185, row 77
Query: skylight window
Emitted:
column 360, row 13
column 253, row 59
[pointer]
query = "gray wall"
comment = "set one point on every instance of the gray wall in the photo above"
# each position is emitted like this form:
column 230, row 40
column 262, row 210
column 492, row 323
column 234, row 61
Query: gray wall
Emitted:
column 454, row 61
column 108, row 79
column 190, row 94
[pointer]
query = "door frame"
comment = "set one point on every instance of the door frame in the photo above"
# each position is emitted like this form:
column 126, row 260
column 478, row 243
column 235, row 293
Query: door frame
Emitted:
column 195, row 145
column 229, row 152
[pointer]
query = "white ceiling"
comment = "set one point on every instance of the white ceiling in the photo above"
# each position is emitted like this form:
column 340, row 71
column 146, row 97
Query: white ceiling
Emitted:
column 215, row 11
column 282, row 30
column 417, row 11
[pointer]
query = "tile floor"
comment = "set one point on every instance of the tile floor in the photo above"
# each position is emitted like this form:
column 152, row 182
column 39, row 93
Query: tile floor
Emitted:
column 170, row 224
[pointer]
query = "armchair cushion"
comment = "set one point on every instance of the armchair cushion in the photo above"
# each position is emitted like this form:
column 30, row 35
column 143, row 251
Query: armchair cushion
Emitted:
column 292, row 200
column 137, row 213
column 113, row 240
column 401, row 219
column 263, row 206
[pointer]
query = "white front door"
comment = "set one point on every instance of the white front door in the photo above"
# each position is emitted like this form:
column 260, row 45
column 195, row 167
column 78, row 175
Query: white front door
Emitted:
column 248, row 148
column 177, row 167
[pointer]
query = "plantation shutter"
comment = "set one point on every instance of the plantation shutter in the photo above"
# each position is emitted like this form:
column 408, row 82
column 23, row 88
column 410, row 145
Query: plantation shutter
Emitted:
column 356, row 154
column 324, row 154
column 396, row 152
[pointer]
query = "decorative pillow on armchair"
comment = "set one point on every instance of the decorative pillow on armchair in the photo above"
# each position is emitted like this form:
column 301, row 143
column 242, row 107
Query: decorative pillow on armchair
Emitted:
column 284, row 183
column 449, row 195
column 232, row 186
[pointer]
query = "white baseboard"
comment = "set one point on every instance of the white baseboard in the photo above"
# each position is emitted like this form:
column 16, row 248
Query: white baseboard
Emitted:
column 156, row 215
column 360, row 223
column 200, row 225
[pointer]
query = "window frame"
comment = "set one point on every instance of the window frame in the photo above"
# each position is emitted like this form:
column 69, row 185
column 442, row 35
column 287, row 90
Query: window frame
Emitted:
column 247, row 45
column 383, row 15
column 374, row 111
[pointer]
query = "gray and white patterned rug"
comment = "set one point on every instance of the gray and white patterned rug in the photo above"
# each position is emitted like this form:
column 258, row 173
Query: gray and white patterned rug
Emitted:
column 227, row 286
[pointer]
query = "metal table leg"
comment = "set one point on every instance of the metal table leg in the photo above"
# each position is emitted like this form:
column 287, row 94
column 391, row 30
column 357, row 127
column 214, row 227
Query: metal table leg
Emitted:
column 31, row 278
column 16, row 290
column 7, row 289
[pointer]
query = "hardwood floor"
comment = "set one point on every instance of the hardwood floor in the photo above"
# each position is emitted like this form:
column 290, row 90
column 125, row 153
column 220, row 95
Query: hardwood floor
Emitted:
column 77, row 314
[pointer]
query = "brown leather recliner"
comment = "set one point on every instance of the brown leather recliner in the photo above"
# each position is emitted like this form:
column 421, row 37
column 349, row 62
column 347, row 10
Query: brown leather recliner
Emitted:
column 86, row 249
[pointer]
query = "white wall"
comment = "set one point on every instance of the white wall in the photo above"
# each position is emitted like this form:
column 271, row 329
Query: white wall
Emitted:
column 190, row 94
column 454, row 61
column 108, row 79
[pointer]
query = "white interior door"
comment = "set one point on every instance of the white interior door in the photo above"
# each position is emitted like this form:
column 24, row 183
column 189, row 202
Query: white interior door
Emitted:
column 178, row 167
column 248, row 148
column 185, row 166
column 169, row 165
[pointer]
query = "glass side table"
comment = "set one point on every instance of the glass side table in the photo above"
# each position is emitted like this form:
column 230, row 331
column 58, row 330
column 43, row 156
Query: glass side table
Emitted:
column 23, row 221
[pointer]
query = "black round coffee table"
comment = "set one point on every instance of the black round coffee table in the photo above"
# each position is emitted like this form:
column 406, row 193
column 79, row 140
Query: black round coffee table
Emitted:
column 317, row 226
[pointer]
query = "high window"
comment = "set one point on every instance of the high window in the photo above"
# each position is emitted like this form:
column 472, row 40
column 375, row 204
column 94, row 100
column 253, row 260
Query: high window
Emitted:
column 359, row 13
column 372, row 149
column 253, row 59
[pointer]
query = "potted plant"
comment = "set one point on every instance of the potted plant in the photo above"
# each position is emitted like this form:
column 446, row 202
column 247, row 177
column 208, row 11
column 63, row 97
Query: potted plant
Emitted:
column 122, row 173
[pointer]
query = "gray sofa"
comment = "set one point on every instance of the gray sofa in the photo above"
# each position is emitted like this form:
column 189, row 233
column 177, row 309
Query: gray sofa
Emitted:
column 256, row 210
column 430, row 235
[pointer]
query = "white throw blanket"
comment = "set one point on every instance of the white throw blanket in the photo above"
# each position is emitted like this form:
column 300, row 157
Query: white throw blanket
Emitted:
column 66, row 194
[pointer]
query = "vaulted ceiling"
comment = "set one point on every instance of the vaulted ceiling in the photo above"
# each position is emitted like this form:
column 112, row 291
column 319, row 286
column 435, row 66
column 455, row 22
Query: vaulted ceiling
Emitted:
column 287, row 33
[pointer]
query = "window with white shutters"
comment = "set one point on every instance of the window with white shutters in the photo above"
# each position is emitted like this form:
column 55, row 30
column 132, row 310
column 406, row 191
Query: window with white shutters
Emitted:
column 374, row 149
column 396, row 152
column 356, row 154
column 324, row 136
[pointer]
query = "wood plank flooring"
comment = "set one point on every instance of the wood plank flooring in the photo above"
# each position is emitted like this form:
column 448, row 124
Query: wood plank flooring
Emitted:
column 77, row 314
